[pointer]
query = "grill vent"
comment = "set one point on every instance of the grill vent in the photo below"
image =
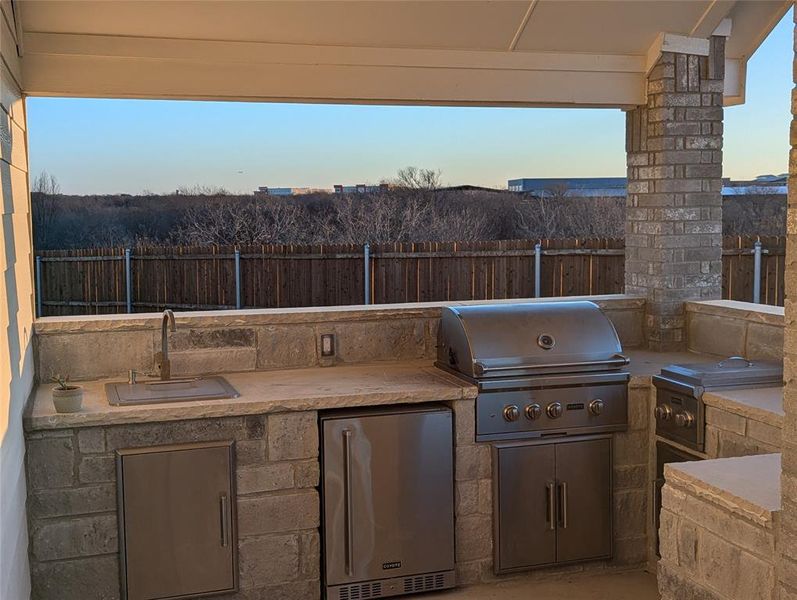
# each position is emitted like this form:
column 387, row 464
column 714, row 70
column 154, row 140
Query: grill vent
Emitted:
column 423, row 583
column 361, row 591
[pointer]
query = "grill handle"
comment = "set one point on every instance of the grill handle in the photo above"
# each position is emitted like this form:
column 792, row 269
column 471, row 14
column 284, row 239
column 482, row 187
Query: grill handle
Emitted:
column 722, row 363
column 619, row 360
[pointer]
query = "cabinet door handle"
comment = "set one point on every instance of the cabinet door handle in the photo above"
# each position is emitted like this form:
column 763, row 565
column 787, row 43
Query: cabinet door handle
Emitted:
column 348, row 501
column 550, row 506
column 563, row 504
column 224, row 506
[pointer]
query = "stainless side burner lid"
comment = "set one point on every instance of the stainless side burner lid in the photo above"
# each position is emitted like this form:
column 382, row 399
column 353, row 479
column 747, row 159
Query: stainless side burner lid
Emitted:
column 735, row 371
column 509, row 340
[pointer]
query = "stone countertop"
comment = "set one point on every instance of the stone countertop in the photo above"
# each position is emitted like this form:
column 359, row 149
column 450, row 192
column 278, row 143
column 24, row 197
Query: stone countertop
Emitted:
column 646, row 363
column 748, row 486
column 759, row 404
column 265, row 392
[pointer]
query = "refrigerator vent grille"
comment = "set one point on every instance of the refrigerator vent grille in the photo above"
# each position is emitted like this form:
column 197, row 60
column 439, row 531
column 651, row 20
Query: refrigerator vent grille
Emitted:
column 361, row 591
column 423, row 583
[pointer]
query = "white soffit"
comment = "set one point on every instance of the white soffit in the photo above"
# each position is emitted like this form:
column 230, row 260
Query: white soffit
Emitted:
column 452, row 52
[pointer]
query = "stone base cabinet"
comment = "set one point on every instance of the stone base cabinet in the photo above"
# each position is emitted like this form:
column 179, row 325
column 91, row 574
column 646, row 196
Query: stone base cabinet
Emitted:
column 72, row 504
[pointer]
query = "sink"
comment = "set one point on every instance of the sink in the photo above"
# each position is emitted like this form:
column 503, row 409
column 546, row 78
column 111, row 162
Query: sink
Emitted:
column 170, row 390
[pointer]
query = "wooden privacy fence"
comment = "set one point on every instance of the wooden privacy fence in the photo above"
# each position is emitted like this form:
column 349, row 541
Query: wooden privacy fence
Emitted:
column 100, row 281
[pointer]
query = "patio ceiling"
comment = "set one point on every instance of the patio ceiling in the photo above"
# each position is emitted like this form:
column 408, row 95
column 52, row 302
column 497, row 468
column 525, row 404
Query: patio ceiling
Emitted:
column 512, row 52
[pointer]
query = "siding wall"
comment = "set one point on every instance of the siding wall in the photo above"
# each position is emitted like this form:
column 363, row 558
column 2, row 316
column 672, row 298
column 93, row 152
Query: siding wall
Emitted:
column 16, row 315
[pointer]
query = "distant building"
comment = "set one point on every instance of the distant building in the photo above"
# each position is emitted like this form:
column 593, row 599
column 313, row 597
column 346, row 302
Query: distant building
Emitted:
column 360, row 188
column 615, row 187
column 578, row 187
column 288, row 191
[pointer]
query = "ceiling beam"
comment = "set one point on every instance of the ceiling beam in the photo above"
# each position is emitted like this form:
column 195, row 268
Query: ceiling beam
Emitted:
column 711, row 18
column 522, row 27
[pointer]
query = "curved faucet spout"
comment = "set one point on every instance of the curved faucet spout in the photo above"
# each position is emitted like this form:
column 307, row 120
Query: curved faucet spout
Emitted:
column 167, row 323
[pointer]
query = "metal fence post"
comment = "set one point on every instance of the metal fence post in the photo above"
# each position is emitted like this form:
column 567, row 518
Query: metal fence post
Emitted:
column 537, row 274
column 129, row 280
column 237, row 278
column 39, row 286
column 757, row 271
column 367, row 273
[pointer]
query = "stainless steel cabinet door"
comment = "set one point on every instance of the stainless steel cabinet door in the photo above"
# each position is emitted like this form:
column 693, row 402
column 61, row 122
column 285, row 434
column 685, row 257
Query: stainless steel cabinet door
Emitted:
column 526, row 520
column 388, row 495
column 584, row 494
column 177, row 525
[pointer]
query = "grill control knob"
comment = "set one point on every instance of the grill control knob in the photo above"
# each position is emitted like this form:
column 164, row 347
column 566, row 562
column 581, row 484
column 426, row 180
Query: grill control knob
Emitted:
column 596, row 406
column 533, row 411
column 663, row 412
column 685, row 419
column 554, row 410
column 511, row 412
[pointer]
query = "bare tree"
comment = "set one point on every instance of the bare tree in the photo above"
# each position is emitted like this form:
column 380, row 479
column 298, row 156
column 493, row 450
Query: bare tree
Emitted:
column 47, row 184
column 414, row 178
column 202, row 190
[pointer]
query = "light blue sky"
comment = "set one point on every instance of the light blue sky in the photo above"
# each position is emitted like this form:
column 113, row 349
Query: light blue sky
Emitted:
column 115, row 146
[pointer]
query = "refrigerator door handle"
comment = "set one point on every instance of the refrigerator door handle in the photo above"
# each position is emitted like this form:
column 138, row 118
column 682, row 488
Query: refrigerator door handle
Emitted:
column 348, row 501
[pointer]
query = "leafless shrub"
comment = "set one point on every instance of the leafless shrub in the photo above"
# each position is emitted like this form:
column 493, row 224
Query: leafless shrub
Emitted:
column 47, row 184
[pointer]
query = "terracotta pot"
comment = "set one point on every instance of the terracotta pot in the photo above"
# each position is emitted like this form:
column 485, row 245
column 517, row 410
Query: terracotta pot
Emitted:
column 68, row 400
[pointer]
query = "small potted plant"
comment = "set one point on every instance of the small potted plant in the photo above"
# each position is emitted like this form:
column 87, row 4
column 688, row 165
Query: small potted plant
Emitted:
column 66, row 398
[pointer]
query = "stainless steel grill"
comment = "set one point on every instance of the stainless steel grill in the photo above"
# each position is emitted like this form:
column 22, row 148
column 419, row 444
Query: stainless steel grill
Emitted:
column 547, row 368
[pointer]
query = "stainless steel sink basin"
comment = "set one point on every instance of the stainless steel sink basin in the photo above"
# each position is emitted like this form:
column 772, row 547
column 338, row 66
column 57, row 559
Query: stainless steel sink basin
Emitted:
column 171, row 390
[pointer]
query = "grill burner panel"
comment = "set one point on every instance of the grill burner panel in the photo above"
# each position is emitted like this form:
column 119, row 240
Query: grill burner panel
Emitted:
column 547, row 368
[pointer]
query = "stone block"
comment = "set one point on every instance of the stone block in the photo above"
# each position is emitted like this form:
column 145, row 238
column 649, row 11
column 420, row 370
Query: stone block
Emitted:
column 763, row 432
column 270, row 559
column 715, row 335
column 74, row 537
column 630, row 513
column 91, row 440
column 307, row 473
column 725, row 420
column 286, row 346
column 639, row 408
column 394, row 339
column 249, row 452
column 293, row 590
column 264, row 478
column 631, row 551
column 687, row 543
column 93, row 355
column 95, row 578
column 464, row 422
column 278, row 512
column 764, row 342
column 675, row 586
column 466, row 498
column 195, row 339
column 72, row 501
column 176, row 432
column 310, row 555
column 630, row 477
column 51, row 462
column 292, row 436
column 472, row 462
column 97, row 469
column 631, row 448
column 216, row 360
column 474, row 538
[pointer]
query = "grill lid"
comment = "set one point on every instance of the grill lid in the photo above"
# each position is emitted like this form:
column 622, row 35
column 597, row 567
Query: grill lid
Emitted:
column 509, row 340
column 735, row 371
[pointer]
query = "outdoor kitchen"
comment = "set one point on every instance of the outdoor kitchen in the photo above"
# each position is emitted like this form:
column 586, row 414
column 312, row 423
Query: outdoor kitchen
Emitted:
column 632, row 446
column 557, row 447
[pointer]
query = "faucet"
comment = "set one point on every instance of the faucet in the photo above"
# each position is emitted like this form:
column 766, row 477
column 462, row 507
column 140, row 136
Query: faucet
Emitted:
column 162, row 357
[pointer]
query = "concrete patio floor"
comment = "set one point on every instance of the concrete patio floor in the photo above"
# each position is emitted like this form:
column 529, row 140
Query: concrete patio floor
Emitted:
column 636, row 585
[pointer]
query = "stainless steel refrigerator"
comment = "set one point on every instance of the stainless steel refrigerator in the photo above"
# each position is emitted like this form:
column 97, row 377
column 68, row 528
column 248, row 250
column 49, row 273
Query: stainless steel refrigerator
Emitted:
column 388, row 501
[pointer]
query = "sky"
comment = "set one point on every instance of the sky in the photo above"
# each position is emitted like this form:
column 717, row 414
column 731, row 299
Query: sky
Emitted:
column 128, row 146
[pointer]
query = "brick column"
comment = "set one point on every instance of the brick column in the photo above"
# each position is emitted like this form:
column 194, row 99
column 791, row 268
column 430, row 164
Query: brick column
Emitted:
column 787, row 535
column 674, row 208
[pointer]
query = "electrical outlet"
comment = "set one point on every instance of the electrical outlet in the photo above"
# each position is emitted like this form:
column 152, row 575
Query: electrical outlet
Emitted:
column 327, row 344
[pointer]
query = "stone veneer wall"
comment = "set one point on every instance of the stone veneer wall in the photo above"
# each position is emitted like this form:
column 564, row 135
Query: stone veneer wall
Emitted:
column 253, row 340
column 730, row 434
column 673, row 242
column 710, row 550
column 72, row 504
column 787, row 564
column 728, row 328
